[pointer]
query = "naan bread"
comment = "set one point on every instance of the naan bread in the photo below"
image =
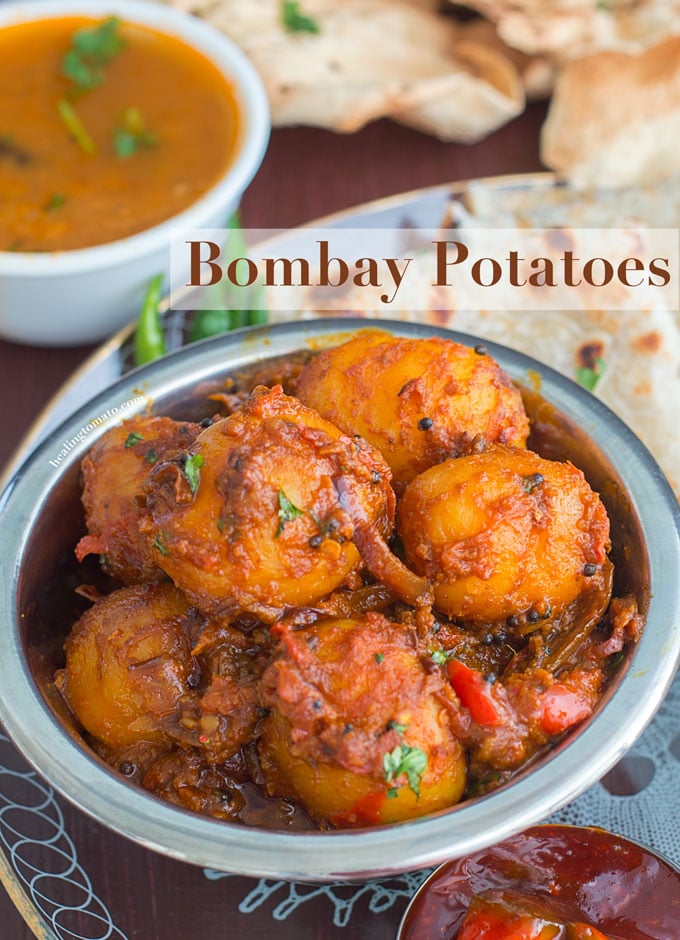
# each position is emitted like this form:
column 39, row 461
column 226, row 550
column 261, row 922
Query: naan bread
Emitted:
column 571, row 29
column 371, row 59
column 614, row 118
column 536, row 71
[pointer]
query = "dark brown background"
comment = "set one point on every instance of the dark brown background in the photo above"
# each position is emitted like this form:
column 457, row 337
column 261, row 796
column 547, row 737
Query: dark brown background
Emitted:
column 307, row 173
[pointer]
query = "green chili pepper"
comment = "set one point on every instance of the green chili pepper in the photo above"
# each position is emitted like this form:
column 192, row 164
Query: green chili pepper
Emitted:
column 149, row 342
column 235, row 240
column 236, row 247
column 257, row 314
column 75, row 127
column 209, row 323
column 255, row 317
column 239, row 318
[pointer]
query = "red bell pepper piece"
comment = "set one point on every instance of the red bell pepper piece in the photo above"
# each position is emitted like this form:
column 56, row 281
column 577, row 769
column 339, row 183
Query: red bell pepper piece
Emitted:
column 474, row 693
column 563, row 708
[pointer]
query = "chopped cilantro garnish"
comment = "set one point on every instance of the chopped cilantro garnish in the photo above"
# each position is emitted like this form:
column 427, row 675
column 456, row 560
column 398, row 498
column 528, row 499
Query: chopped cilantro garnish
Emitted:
column 132, row 133
column 151, row 456
column 616, row 660
column 124, row 143
column 482, row 783
column 192, row 468
column 379, row 658
column 56, row 201
column 405, row 760
column 295, row 21
column 395, row 726
column 440, row 657
column 392, row 793
column 287, row 512
column 91, row 48
column 158, row 543
column 589, row 378
column 134, row 437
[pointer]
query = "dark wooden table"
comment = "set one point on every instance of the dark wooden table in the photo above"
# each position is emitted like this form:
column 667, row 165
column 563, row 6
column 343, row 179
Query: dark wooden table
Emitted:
column 306, row 173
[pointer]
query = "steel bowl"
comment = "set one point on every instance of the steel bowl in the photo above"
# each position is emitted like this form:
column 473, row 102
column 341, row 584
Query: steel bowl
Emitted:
column 42, row 520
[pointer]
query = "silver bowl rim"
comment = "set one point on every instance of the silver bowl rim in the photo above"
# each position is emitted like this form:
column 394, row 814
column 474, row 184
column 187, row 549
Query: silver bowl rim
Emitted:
column 434, row 875
column 330, row 856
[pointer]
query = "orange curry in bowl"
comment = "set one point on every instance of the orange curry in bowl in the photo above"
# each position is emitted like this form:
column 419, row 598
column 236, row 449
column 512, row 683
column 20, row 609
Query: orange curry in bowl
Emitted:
column 352, row 596
column 106, row 129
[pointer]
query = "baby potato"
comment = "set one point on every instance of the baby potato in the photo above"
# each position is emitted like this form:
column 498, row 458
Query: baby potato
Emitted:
column 358, row 730
column 128, row 662
column 253, row 520
column 505, row 533
column 113, row 473
column 418, row 401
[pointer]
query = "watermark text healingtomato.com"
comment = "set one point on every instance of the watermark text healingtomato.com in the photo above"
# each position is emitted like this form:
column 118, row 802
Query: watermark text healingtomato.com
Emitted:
column 115, row 412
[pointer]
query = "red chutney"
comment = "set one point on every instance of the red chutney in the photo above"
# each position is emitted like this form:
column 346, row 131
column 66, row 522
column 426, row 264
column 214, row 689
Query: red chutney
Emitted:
column 598, row 883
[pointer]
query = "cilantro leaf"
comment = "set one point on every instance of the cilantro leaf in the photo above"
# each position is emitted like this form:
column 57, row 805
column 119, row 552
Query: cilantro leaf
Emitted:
column 588, row 378
column 295, row 21
column 134, row 437
column 99, row 43
column 395, row 726
column 405, row 760
column 440, row 657
column 158, row 543
column 287, row 512
column 124, row 143
column 192, row 469
column 616, row 660
column 91, row 48
column 132, row 134
column 56, row 201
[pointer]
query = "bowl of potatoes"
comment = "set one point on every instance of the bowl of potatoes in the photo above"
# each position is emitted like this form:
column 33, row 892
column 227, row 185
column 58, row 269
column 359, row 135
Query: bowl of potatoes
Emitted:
column 332, row 601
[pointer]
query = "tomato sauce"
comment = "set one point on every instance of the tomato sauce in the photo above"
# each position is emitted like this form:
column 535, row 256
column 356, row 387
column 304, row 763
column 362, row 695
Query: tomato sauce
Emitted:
column 572, row 875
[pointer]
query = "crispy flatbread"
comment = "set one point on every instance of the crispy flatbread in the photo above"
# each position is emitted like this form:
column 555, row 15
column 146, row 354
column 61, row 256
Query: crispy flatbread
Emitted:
column 371, row 59
column 570, row 29
column 536, row 71
column 614, row 118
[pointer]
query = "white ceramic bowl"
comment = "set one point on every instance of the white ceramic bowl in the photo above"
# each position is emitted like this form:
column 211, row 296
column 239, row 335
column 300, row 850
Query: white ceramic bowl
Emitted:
column 73, row 297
